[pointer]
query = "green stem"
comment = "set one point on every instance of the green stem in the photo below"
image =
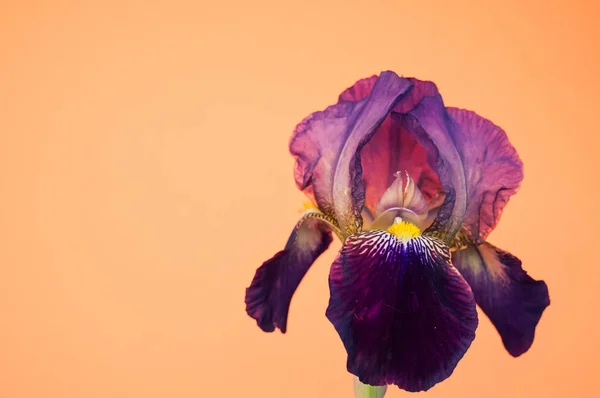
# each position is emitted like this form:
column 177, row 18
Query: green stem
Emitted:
column 366, row 391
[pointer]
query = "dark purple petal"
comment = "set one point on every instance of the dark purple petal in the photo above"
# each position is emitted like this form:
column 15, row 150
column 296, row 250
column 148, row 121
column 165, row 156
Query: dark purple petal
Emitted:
column 493, row 171
column 270, row 293
column 512, row 300
column 404, row 313
column 326, row 146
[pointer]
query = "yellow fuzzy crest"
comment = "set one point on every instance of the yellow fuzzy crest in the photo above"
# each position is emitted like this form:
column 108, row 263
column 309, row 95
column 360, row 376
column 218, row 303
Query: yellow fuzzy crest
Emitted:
column 404, row 230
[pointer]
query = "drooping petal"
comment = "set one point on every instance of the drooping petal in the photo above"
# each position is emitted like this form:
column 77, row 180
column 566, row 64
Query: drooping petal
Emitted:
column 512, row 300
column 492, row 168
column 404, row 313
column 275, row 281
column 326, row 144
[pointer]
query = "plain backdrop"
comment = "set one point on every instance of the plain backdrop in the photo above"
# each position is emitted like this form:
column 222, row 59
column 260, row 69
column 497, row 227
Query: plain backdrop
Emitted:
column 144, row 175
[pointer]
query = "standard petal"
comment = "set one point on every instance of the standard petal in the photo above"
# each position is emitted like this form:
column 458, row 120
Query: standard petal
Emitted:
column 404, row 313
column 402, row 199
column 359, row 90
column 512, row 300
column 316, row 144
column 394, row 148
column 403, row 193
column 430, row 124
column 493, row 171
column 326, row 146
column 270, row 293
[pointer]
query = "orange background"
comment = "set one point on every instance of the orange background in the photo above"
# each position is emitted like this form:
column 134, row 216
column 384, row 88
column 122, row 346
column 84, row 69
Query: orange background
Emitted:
column 144, row 175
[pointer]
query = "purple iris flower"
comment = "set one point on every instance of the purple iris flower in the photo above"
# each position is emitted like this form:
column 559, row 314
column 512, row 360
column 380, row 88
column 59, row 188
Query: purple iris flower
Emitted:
column 412, row 189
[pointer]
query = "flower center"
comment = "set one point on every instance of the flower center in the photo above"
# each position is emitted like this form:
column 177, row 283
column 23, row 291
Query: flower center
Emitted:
column 404, row 230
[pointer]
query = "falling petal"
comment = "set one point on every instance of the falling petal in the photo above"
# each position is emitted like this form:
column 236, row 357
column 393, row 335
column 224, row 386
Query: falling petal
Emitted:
column 404, row 313
column 270, row 293
column 512, row 300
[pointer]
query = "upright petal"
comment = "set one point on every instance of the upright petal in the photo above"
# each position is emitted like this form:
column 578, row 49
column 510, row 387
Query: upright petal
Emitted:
column 316, row 144
column 404, row 313
column 512, row 300
column 326, row 146
column 493, row 171
column 430, row 124
column 348, row 188
column 394, row 148
column 359, row 90
column 402, row 199
column 275, row 281
column 450, row 153
column 403, row 193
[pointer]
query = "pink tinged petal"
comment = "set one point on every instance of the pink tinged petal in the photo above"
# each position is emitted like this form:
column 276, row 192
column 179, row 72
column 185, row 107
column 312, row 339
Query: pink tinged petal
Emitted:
column 394, row 148
column 360, row 90
column 403, row 193
column 434, row 209
column 325, row 145
column 270, row 293
column 404, row 313
column 316, row 144
column 402, row 199
column 348, row 188
column 512, row 300
column 493, row 171
column 430, row 124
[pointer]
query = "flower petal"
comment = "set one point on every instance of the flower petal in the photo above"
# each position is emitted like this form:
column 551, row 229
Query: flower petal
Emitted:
column 402, row 199
column 493, row 171
column 270, row 293
column 403, row 193
column 394, row 148
column 326, row 146
column 466, row 155
column 512, row 300
column 430, row 124
column 360, row 90
column 404, row 313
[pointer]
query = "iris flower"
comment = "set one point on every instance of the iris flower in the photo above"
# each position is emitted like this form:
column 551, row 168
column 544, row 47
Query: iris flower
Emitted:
column 412, row 189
